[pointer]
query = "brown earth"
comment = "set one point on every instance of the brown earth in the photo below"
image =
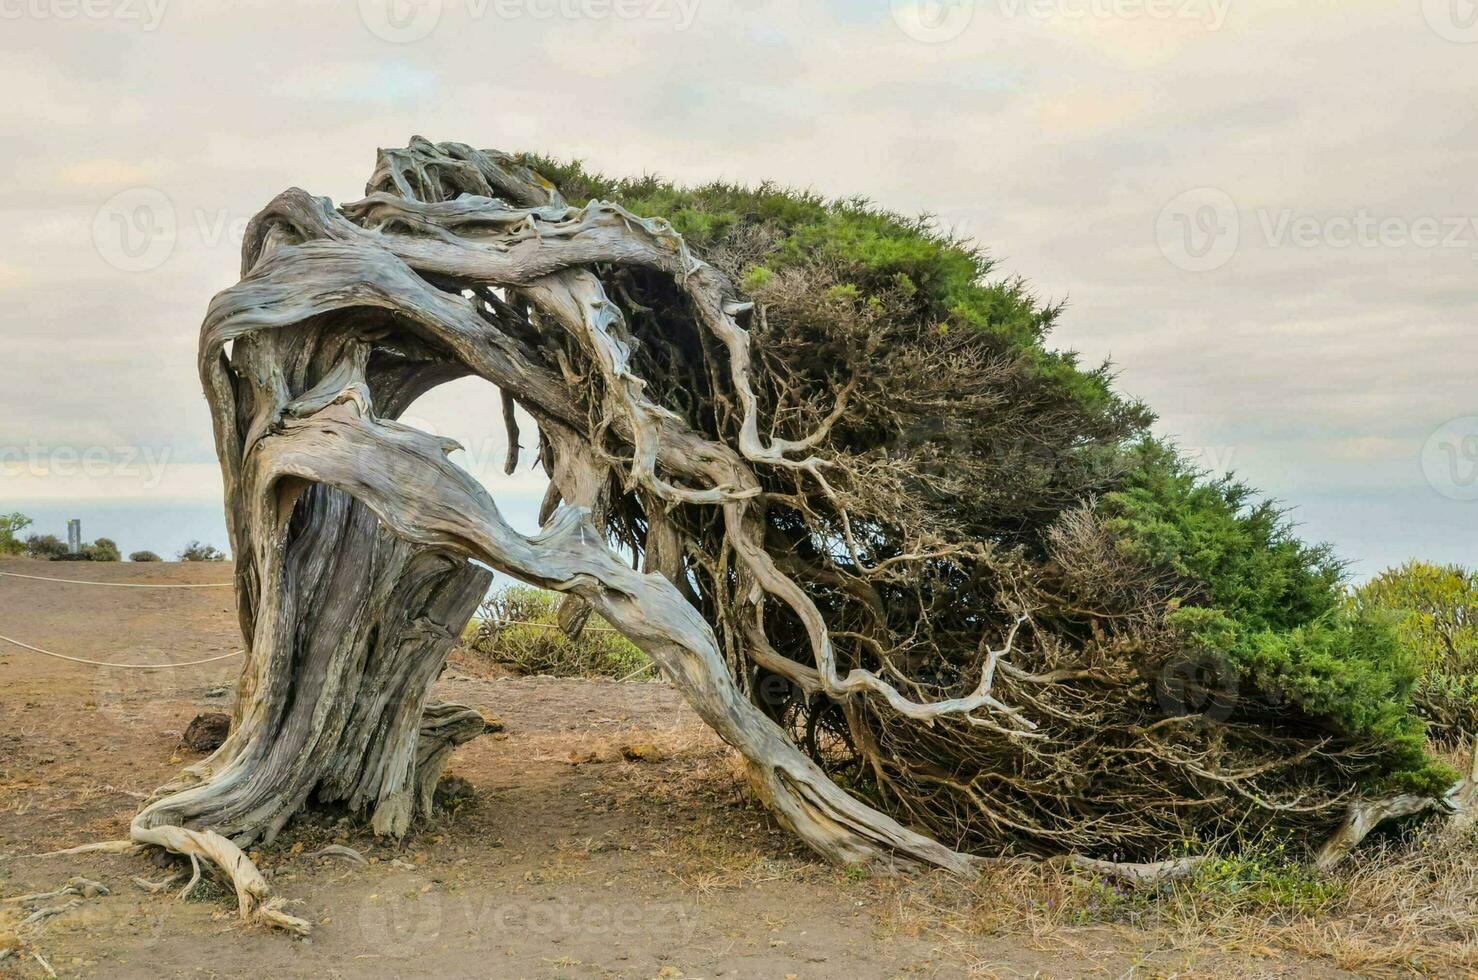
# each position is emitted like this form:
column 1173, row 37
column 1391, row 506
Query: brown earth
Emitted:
column 617, row 867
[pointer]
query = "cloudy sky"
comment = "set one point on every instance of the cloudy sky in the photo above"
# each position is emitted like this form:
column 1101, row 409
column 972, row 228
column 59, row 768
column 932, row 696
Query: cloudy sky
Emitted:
column 1265, row 213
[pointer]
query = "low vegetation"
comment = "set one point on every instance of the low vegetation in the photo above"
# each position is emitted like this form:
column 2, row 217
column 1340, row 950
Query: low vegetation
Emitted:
column 1435, row 612
column 196, row 551
column 49, row 547
column 11, row 525
column 1409, row 908
column 518, row 628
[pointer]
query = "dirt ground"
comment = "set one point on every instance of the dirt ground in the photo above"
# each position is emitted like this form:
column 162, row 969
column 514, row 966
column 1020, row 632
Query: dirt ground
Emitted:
column 552, row 869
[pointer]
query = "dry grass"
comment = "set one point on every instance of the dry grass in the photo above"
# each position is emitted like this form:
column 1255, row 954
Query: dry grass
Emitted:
column 1402, row 907
column 1406, row 905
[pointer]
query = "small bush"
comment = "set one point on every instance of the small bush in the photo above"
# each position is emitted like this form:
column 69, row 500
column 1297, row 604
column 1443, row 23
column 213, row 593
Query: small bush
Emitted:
column 518, row 627
column 144, row 556
column 1434, row 611
column 46, row 546
column 1449, row 703
column 11, row 525
column 103, row 549
column 51, row 548
column 196, row 551
column 1435, row 608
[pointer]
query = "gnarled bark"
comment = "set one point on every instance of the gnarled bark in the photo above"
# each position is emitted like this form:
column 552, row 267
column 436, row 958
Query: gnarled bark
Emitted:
column 357, row 540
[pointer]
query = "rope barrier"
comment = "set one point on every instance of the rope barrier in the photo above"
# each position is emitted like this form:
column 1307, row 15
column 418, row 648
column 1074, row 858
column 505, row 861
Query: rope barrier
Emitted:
column 100, row 663
column 115, row 585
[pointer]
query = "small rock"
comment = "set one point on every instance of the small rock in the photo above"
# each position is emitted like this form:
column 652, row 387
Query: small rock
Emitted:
column 643, row 751
column 207, row 732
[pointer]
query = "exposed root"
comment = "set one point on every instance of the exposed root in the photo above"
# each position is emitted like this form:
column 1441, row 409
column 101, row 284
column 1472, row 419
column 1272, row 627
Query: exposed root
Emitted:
column 103, row 847
column 85, row 887
column 155, row 887
column 340, row 851
column 253, row 895
column 41, row 915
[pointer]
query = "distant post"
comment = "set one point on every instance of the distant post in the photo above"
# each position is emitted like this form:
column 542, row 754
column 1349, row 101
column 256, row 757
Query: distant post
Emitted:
column 74, row 537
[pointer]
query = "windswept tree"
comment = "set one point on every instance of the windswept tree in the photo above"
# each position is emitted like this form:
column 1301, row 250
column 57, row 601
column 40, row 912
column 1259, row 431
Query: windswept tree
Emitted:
column 11, row 525
column 812, row 458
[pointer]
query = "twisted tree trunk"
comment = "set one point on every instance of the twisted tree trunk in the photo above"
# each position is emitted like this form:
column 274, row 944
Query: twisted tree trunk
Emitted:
column 355, row 536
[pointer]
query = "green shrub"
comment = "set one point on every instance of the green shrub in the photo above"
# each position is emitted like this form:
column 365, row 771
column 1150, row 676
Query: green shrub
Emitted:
column 1436, row 613
column 966, row 430
column 1273, row 609
column 103, row 549
column 144, row 556
column 196, row 551
column 46, row 546
column 518, row 627
column 11, row 525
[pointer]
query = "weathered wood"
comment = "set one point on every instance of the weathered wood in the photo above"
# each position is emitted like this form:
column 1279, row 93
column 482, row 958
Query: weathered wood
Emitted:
column 354, row 535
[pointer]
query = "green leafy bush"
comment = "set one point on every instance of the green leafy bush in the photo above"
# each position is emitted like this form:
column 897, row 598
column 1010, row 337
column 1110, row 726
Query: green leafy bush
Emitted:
column 46, row 546
column 11, row 525
column 518, row 627
column 1273, row 609
column 1436, row 612
column 196, row 551
column 103, row 549
column 144, row 556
